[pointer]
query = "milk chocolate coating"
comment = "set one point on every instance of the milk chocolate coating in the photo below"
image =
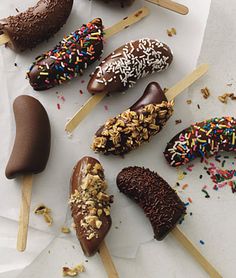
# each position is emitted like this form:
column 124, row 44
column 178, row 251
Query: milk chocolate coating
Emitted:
column 154, row 195
column 32, row 141
column 38, row 23
column 202, row 139
column 144, row 119
column 79, row 209
column 132, row 61
column 69, row 58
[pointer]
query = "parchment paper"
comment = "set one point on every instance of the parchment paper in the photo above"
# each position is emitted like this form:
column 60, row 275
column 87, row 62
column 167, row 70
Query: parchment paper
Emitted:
column 130, row 240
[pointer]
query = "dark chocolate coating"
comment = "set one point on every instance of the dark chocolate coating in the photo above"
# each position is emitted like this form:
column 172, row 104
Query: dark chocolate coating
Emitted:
column 33, row 138
column 90, row 247
column 129, row 130
column 69, row 58
column 38, row 23
column 154, row 195
column 202, row 139
column 130, row 62
column 153, row 94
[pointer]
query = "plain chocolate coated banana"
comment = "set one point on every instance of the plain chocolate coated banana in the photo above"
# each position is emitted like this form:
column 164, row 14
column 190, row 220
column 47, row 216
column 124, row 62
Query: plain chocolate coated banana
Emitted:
column 33, row 138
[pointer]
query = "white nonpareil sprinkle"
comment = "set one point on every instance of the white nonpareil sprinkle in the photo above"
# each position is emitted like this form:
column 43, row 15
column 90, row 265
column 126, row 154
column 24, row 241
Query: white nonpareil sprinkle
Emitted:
column 128, row 67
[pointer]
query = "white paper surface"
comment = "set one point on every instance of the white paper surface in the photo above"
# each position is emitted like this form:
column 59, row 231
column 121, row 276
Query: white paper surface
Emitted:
column 130, row 227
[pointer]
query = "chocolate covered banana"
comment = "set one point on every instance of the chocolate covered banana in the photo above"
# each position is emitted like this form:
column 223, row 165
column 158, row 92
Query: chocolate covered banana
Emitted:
column 202, row 139
column 33, row 138
column 132, row 61
column 69, row 58
column 27, row 29
column 136, row 125
column 90, row 205
column 154, row 195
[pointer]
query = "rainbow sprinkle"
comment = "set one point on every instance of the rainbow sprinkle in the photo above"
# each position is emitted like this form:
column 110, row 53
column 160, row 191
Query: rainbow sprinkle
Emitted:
column 70, row 57
column 202, row 139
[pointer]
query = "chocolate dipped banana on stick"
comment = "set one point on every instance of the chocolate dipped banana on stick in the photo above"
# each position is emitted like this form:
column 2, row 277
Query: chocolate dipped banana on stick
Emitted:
column 29, row 154
column 202, row 139
column 90, row 207
column 142, row 120
column 75, row 52
column 27, row 29
column 129, row 63
column 162, row 206
column 136, row 125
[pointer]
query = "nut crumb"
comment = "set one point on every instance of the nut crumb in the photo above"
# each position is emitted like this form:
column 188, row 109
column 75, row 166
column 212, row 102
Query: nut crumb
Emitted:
column 205, row 92
column 171, row 32
column 178, row 121
column 189, row 101
column 65, row 230
column 46, row 212
column 72, row 272
column 224, row 98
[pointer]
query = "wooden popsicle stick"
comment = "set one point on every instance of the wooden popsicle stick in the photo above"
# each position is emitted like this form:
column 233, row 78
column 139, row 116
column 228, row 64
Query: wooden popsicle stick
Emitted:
column 126, row 22
column 192, row 249
column 24, row 212
column 83, row 112
column 171, row 5
column 187, row 81
column 4, row 39
column 107, row 261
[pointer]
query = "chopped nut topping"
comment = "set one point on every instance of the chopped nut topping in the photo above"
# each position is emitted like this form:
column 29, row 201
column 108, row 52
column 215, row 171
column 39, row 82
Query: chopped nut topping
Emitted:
column 72, row 272
column 65, row 230
column 46, row 212
column 205, row 92
column 90, row 200
column 118, row 138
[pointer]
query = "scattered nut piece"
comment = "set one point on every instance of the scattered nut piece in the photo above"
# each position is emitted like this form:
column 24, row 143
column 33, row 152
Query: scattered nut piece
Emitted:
column 46, row 212
column 189, row 101
column 178, row 121
column 205, row 92
column 72, row 272
column 65, row 230
column 171, row 32
column 224, row 98
column 48, row 219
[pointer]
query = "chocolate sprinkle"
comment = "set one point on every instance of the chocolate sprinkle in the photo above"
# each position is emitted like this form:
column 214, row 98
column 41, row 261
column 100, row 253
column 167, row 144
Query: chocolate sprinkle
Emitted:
column 159, row 201
column 37, row 24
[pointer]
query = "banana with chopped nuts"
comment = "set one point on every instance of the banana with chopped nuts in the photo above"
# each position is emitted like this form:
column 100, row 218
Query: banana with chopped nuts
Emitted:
column 90, row 205
column 136, row 125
